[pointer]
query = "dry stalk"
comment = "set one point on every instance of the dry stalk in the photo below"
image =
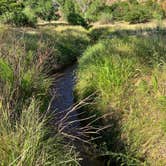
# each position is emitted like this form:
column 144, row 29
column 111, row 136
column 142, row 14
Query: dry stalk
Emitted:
column 70, row 125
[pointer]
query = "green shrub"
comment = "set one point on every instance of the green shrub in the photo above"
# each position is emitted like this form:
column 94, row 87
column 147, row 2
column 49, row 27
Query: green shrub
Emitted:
column 68, row 8
column 138, row 14
column 13, row 13
column 26, row 13
column 20, row 18
column 31, row 17
column 94, row 10
column 46, row 11
column 6, row 73
column 106, row 18
column 135, row 12
column 156, row 10
column 71, row 15
column 76, row 19
column 119, row 10
column 131, row 12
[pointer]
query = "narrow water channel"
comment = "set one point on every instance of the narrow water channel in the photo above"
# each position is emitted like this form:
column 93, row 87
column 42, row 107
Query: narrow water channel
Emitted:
column 64, row 89
column 64, row 100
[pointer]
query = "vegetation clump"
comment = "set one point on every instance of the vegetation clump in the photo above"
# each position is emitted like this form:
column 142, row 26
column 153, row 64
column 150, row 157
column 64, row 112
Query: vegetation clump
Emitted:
column 126, row 74
column 27, row 60
column 26, row 13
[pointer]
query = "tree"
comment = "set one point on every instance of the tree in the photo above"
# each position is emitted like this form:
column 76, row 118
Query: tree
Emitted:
column 10, row 6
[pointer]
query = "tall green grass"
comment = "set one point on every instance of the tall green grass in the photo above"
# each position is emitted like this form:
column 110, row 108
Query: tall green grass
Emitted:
column 27, row 59
column 127, row 75
column 28, row 141
column 21, row 73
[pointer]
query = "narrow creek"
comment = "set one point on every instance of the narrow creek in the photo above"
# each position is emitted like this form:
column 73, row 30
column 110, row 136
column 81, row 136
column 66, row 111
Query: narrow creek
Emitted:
column 64, row 89
column 64, row 100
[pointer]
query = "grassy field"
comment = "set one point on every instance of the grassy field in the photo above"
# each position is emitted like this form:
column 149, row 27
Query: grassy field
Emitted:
column 126, row 71
column 123, row 66
column 28, row 57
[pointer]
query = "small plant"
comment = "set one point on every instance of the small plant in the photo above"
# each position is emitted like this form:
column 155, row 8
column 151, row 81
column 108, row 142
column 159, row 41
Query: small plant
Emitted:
column 31, row 17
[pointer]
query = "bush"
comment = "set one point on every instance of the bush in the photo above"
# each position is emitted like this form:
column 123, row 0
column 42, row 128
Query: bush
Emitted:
column 46, row 11
column 71, row 15
column 20, row 18
column 138, row 14
column 156, row 9
column 94, row 10
column 119, row 10
column 26, row 13
column 68, row 8
column 106, row 18
column 12, row 13
column 135, row 12
column 31, row 17
column 76, row 19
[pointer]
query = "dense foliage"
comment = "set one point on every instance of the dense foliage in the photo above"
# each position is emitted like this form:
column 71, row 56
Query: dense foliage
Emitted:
column 25, row 13
column 135, row 12
column 27, row 60
column 126, row 73
column 96, row 10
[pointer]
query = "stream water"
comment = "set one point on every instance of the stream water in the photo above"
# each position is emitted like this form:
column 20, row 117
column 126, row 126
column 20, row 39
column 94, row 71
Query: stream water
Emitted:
column 64, row 89
column 64, row 100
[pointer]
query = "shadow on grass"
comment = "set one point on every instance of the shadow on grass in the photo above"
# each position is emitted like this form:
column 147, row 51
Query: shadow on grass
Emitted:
column 111, row 136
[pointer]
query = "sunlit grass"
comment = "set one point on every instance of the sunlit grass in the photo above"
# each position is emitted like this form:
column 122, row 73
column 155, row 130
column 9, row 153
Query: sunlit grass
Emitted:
column 128, row 76
column 125, row 71
column 27, row 58
column 28, row 142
